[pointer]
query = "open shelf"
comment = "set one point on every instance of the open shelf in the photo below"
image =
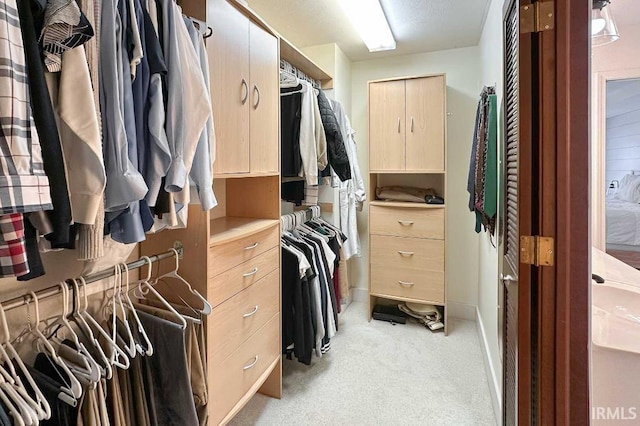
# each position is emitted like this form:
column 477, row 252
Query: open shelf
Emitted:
column 227, row 229
column 295, row 57
column 406, row 204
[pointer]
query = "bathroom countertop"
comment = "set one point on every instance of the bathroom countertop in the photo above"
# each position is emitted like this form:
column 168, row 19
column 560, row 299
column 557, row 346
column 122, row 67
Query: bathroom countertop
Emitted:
column 613, row 270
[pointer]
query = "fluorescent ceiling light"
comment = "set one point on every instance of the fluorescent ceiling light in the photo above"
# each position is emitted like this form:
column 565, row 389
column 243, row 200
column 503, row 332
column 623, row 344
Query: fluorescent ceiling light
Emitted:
column 368, row 18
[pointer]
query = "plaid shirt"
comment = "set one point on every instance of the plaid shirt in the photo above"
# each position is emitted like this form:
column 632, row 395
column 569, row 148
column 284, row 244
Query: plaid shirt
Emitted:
column 24, row 187
column 13, row 249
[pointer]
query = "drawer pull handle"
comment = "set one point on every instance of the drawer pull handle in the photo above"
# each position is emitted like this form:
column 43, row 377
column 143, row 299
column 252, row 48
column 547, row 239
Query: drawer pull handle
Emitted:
column 405, row 284
column 252, row 246
column 250, row 314
column 406, row 253
column 405, row 222
column 253, row 272
column 251, row 364
column 245, row 91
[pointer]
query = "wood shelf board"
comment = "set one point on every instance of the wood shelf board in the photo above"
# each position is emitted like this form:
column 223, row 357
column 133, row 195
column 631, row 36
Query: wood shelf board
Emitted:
column 406, row 204
column 295, row 57
column 242, row 175
column 406, row 299
column 414, row 172
column 227, row 229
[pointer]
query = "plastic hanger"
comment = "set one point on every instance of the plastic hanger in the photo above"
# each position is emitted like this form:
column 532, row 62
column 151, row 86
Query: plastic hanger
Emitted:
column 74, row 387
column 148, row 351
column 105, row 365
column 144, row 288
column 206, row 309
column 116, row 352
column 9, row 353
column 130, row 342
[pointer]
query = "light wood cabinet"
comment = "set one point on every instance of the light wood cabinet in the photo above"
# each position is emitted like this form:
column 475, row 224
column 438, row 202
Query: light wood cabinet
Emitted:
column 387, row 125
column 245, row 94
column 407, row 125
column 407, row 146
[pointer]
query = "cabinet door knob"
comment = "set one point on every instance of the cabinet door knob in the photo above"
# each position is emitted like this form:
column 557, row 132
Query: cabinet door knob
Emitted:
column 398, row 124
column 411, row 124
column 255, row 89
column 405, row 284
column 250, row 314
column 245, row 91
column 251, row 364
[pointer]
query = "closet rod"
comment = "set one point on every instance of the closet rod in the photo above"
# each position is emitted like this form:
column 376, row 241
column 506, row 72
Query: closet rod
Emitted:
column 17, row 302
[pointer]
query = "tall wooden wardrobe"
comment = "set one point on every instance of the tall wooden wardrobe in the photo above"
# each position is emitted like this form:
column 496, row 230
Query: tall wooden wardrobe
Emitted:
column 233, row 251
column 407, row 147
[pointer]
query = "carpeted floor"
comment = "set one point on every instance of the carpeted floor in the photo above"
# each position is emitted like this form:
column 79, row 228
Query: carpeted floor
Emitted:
column 380, row 374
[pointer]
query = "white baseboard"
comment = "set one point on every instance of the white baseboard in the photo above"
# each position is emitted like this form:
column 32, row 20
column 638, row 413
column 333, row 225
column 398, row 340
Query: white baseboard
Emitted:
column 360, row 294
column 461, row 310
column 492, row 377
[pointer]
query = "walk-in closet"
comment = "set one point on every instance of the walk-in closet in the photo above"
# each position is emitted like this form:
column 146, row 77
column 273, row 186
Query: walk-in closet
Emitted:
column 250, row 212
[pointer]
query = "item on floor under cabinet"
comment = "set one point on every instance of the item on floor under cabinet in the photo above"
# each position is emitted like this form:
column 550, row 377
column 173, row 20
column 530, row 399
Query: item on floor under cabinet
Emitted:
column 389, row 313
column 429, row 315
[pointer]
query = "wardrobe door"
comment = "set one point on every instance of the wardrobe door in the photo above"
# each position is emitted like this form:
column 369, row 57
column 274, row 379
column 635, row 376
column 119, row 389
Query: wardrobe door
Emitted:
column 387, row 126
column 229, row 64
column 425, row 123
column 265, row 101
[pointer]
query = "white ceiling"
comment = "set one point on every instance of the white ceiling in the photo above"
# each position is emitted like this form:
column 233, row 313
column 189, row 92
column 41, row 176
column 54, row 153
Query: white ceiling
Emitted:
column 623, row 96
column 417, row 25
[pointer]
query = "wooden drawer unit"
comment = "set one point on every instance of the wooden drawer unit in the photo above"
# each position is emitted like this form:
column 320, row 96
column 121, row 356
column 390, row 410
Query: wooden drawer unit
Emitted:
column 407, row 268
column 226, row 256
column 407, row 222
column 229, row 283
column 240, row 317
column 232, row 378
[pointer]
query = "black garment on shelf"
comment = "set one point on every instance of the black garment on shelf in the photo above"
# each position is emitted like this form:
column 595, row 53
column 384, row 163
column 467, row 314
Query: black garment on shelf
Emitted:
column 292, row 192
column 290, row 114
column 338, row 158
column 296, row 307
column 45, row 122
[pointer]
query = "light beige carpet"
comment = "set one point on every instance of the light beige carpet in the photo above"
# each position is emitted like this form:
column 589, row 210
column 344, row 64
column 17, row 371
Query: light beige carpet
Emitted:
column 380, row 374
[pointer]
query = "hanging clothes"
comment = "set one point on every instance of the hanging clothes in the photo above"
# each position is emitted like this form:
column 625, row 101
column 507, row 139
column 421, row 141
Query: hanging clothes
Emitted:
column 337, row 153
column 482, row 182
column 351, row 192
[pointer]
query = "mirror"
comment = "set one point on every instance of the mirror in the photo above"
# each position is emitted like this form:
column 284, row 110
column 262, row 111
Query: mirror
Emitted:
column 622, row 170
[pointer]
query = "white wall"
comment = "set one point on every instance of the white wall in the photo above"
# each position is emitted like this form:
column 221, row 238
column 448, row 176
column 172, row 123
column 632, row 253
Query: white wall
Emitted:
column 461, row 67
column 488, row 281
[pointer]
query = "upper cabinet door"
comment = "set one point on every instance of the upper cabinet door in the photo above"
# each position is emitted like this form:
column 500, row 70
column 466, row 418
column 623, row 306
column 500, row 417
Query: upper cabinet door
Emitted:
column 265, row 101
column 228, row 50
column 425, row 123
column 387, row 126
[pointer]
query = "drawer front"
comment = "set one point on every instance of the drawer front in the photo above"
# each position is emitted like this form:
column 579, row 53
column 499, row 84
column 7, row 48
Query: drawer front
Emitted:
column 408, row 268
column 238, row 318
column 226, row 256
column 230, row 380
column 407, row 222
column 231, row 282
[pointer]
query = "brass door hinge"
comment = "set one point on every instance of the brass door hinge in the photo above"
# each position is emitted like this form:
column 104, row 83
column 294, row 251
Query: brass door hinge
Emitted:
column 536, row 250
column 536, row 17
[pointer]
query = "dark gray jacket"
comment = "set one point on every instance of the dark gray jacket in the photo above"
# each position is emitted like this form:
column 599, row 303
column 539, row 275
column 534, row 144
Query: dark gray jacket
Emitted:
column 338, row 158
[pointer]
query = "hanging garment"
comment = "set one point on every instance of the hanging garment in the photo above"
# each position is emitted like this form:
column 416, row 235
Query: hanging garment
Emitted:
column 482, row 182
column 24, row 186
column 290, row 116
column 337, row 153
column 351, row 192
column 59, row 219
column 13, row 250
column 312, row 138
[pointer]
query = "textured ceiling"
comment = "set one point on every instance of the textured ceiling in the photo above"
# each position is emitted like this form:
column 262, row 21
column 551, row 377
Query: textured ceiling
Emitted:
column 417, row 25
column 623, row 96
